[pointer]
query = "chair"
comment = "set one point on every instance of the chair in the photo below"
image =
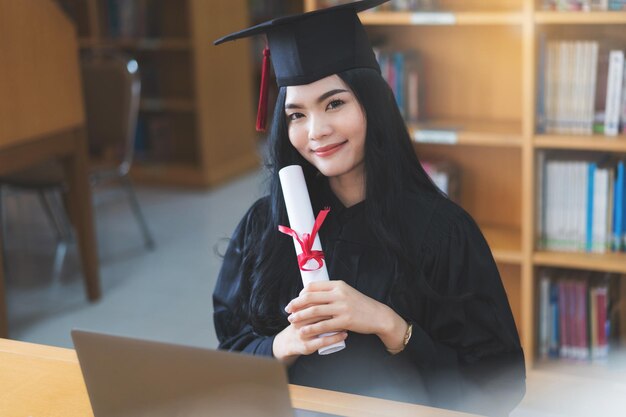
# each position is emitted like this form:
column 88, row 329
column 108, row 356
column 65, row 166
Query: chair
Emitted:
column 111, row 87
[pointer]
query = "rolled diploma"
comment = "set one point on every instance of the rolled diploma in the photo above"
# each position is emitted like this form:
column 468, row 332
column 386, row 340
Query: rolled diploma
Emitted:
column 301, row 220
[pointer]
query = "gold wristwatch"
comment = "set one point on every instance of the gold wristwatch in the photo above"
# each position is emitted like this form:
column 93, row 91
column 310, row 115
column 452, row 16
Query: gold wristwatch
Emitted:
column 405, row 340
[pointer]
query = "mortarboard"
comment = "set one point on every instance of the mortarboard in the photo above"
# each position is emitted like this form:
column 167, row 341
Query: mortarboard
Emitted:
column 309, row 46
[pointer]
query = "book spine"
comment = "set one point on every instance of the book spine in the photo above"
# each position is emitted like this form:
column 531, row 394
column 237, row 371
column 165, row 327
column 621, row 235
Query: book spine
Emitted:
column 581, row 288
column 618, row 213
column 555, row 335
column 544, row 315
column 613, row 93
column 599, row 210
column 590, row 208
column 601, row 304
column 563, row 318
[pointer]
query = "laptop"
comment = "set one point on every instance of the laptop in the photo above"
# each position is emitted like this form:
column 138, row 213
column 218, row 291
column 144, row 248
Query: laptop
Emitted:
column 132, row 377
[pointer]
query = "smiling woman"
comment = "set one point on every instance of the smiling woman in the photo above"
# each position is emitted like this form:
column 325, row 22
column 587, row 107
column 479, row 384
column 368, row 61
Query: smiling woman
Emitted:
column 327, row 126
column 414, row 287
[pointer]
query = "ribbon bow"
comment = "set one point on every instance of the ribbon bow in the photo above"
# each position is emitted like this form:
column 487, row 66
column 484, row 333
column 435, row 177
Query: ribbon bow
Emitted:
column 306, row 243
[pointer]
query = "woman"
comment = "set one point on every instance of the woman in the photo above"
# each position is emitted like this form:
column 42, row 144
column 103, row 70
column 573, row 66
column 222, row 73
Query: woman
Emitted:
column 414, row 289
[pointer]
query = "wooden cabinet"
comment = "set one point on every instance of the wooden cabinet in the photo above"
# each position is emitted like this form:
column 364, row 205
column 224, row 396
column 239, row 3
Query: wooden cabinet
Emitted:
column 196, row 124
column 480, row 69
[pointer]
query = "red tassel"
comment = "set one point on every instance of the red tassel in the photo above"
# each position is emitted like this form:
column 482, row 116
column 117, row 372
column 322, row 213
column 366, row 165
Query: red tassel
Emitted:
column 261, row 116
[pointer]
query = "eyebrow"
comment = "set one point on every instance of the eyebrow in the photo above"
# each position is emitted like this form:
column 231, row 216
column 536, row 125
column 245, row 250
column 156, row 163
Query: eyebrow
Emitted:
column 319, row 99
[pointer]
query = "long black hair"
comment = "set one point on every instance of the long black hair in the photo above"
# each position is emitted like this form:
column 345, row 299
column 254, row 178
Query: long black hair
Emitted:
column 391, row 168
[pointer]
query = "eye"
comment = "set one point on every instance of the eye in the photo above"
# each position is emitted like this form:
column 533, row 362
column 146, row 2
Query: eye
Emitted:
column 294, row 116
column 335, row 104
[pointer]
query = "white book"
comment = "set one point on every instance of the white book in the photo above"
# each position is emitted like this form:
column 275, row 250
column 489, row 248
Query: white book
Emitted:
column 551, row 87
column 623, row 117
column 570, row 209
column 560, row 204
column 591, row 86
column 561, row 83
column 550, row 226
column 582, row 175
column 613, row 93
column 566, row 88
column 578, row 81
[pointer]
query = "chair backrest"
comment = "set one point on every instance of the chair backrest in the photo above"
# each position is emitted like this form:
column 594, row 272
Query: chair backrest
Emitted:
column 111, row 87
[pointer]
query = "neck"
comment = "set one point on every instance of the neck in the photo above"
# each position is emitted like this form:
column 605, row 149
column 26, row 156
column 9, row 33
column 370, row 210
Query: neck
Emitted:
column 349, row 188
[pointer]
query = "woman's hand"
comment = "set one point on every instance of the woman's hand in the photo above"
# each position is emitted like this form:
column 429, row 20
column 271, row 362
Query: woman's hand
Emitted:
column 291, row 342
column 334, row 306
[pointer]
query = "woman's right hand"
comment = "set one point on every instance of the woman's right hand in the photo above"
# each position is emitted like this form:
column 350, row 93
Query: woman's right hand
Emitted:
column 289, row 344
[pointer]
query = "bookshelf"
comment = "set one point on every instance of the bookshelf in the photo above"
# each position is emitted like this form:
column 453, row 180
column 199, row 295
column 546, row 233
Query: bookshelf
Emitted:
column 480, row 64
column 193, row 129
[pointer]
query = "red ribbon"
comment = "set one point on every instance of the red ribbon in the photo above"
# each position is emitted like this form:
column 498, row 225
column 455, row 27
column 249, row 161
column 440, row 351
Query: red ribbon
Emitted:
column 306, row 242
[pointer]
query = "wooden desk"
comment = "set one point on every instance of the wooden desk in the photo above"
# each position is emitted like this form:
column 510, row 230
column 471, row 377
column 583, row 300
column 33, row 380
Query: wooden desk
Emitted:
column 38, row 380
column 42, row 114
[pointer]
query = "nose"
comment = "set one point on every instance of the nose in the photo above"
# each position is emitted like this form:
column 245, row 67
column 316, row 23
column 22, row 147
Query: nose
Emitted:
column 319, row 127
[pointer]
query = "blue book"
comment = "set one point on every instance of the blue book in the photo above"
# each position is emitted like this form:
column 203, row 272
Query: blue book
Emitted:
column 590, row 189
column 618, row 208
column 553, row 350
column 623, row 203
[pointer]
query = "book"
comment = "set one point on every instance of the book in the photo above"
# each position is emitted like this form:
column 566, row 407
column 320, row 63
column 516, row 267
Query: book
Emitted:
column 403, row 72
column 544, row 315
column 613, row 93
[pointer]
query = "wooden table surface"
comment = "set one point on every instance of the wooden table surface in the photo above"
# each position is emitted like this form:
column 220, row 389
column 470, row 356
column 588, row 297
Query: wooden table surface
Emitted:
column 38, row 381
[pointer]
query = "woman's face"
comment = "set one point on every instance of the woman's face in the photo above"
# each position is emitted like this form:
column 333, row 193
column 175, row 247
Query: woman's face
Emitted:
column 327, row 126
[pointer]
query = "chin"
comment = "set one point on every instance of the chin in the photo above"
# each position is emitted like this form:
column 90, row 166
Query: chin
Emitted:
column 330, row 171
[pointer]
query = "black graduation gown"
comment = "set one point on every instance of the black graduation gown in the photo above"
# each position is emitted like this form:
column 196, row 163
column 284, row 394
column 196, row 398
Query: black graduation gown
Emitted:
column 464, row 352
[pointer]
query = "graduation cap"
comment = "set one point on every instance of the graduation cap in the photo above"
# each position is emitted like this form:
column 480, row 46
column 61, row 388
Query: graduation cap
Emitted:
column 309, row 46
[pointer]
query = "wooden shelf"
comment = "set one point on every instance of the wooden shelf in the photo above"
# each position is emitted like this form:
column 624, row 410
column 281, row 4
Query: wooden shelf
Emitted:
column 168, row 105
column 441, row 18
column 606, row 262
column 505, row 243
column 613, row 368
column 143, row 44
column 580, row 18
column 577, row 142
column 478, row 133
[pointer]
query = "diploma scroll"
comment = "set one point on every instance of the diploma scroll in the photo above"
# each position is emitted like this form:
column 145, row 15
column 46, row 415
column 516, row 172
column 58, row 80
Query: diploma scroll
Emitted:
column 301, row 220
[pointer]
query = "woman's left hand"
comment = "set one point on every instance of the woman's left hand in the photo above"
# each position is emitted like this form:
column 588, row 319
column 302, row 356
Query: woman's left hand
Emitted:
column 334, row 306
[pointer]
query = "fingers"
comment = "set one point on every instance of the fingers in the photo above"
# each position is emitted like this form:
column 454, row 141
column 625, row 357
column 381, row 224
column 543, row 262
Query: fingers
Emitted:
column 315, row 313
column 307, row 299
column 319, row 292
column 320, row 286
column 321, row 327
column 313, row 345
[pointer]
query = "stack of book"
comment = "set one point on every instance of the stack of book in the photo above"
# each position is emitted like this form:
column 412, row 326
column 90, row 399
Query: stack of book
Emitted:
column 393, row 5
column 403, row 72
column 576, row 314
column 581, row 204
column 582, row 88
column 584, row 5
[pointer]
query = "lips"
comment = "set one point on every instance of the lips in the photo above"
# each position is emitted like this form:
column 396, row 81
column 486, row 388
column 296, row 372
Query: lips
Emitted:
column 329, row 149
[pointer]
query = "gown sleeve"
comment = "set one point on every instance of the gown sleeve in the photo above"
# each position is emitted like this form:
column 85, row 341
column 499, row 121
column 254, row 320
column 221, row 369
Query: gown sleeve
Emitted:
column 467, row 343
column 233, row 331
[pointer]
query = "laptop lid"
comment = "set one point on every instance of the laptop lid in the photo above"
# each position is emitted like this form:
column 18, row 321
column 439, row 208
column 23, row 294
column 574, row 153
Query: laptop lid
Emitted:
column 132, row 377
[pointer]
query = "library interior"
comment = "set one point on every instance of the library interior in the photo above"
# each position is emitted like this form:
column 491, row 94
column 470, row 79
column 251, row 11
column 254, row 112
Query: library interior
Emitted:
column 128, row 156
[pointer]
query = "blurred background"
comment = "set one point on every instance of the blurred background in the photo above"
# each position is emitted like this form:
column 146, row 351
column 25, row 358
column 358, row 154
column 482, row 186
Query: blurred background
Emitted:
column 128, row 155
